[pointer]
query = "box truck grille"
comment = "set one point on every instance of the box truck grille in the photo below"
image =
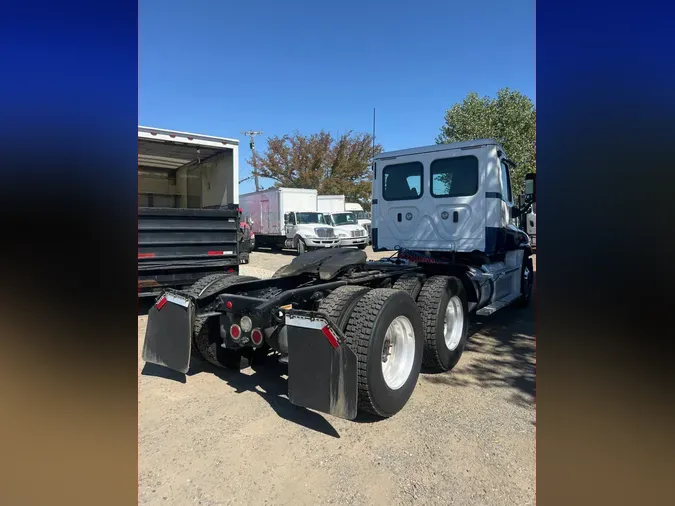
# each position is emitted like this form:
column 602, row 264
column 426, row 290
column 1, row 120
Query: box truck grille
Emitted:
column 324, row 232
column 358, row 233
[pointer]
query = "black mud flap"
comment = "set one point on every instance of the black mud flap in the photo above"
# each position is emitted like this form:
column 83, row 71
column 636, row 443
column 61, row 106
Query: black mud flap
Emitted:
column 169, row 332
column 322, row 370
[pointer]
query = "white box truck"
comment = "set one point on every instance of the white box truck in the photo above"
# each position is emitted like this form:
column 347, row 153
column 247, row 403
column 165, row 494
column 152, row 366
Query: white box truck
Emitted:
column 348, row 229
column 287, row 218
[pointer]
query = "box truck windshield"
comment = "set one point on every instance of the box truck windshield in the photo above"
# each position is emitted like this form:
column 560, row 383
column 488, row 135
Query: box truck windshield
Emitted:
column 309, row 218
column 344, row 219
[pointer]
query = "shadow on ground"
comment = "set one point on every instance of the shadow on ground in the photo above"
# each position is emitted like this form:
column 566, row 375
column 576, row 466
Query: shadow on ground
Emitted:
column 500, row 353
column 267, row 381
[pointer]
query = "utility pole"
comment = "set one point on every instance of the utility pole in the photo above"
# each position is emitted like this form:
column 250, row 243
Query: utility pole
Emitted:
column 251, row 135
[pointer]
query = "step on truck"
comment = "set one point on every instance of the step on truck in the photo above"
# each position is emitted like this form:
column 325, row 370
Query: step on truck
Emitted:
column 356, row 333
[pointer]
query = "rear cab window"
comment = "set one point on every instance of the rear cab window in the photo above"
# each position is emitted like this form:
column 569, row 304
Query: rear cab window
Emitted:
column 454, row 177
column 402, row 181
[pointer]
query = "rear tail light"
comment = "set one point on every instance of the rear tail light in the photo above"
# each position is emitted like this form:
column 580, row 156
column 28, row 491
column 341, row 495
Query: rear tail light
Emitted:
column 146, row 255
column 246, row 323
column 235, row 331
column 257, row 337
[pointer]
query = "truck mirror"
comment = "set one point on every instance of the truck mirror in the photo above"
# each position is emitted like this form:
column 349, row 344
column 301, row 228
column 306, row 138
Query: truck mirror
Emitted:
column 530, row 187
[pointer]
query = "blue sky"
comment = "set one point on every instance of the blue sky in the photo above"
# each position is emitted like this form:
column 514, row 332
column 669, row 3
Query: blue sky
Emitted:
column 219, row 67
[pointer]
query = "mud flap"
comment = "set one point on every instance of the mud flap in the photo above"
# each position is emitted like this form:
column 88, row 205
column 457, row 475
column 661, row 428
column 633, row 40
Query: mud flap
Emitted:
column 168, row 334
column 322, row 370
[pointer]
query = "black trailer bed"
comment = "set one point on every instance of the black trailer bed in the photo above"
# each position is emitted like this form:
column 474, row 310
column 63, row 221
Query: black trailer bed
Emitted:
column 176, row 247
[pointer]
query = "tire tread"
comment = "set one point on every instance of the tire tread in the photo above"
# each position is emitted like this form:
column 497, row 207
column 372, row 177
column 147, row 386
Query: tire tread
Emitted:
column 427, row 302
column 358, row 332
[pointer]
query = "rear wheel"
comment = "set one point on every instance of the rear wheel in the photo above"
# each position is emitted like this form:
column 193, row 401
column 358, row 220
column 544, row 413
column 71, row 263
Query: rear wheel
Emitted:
column 206, row 334
column 385, row 332
column 444, row 307
column 338, row 306
column 410, row 283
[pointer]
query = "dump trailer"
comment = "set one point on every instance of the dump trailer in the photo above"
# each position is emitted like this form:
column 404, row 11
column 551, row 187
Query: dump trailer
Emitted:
column 188, row 217
column 354, row 332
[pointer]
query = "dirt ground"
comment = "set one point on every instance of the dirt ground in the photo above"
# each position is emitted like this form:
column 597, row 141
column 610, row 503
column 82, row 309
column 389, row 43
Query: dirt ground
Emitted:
column 466, row 437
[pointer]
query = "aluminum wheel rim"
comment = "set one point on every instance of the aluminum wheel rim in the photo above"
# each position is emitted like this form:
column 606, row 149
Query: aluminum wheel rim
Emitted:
column 453, row 323
column 398, row 352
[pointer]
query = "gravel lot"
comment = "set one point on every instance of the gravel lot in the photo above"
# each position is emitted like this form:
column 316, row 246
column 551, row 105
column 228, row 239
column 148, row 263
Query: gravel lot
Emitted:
column 465, row 437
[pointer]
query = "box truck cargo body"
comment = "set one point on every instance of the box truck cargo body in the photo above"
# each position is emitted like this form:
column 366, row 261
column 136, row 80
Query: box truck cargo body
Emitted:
column 331, row 203
column 287, row 218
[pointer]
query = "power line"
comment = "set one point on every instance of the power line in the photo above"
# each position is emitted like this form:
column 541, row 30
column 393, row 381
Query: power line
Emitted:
column 251, row 135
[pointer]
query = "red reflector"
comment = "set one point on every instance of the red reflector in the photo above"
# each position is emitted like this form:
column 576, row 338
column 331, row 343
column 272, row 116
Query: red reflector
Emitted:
column 332, row 339
column 256, row 336
column 161, row 302
column 228, row 304
column 146, row 255
column 216, row 252
column 230, row 269
column 240, row 210
column 235, row 331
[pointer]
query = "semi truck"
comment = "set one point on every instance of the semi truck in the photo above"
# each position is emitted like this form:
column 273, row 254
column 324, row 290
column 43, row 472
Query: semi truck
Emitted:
column 188, row 217
column 287, row 218
column 355, row 333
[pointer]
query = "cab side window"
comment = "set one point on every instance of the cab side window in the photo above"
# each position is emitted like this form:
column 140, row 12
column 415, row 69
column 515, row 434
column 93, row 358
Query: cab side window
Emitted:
column 291, row 219
column 506, row 183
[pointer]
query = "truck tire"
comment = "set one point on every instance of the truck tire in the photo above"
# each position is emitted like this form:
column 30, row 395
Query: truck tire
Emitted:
column 206, row 335
column 385, row 333
column 444, row 307
column 338, row 306
column 362, row 246
column 526, row 282
column 410, row 283
column 300, row 246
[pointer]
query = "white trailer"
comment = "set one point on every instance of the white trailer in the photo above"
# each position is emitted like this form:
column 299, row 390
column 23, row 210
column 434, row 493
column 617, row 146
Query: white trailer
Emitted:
column 287, row 218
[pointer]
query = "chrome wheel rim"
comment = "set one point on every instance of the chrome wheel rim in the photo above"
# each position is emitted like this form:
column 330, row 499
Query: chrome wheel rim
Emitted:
column 453, row 323
column 398, row 352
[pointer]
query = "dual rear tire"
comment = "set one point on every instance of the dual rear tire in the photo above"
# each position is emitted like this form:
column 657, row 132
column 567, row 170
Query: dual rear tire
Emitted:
column 383, row 328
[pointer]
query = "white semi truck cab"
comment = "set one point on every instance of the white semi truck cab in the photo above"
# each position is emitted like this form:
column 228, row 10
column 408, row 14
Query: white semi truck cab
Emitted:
column 348, row 229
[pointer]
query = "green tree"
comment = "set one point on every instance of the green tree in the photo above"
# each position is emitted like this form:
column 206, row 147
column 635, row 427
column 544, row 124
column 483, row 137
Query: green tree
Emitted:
column 334, row 166
column 510, row 118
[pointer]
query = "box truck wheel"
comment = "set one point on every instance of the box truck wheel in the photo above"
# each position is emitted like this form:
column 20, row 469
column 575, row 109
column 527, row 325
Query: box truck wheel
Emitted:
column 362, row 246
column 385, row 332
column 444, row 307
column 206, row 335
column 300, row 245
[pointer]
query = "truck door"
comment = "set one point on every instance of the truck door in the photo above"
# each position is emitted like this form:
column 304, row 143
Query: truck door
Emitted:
column 290, row 225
